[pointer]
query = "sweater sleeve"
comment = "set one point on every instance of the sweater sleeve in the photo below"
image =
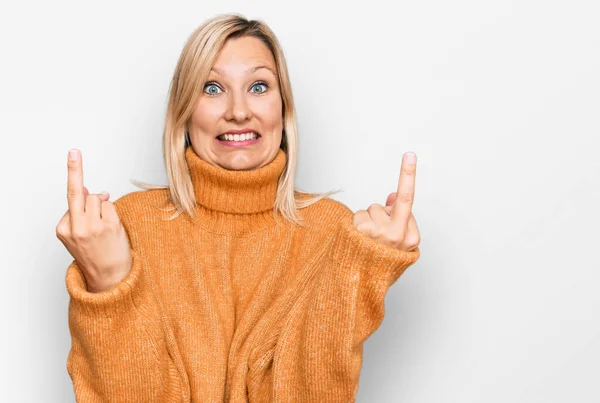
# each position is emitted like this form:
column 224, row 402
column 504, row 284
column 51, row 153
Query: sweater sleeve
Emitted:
column 119, row 350
column 371, row 268
column 345, row 307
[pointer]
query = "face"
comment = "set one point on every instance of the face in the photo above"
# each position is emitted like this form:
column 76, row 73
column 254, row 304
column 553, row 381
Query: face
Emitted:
column 241, row 94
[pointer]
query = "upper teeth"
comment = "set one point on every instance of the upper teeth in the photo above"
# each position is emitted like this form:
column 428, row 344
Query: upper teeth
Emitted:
column 238, row 137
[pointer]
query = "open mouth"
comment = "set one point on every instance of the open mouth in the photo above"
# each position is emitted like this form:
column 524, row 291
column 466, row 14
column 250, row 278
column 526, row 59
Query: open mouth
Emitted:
column 239, row 137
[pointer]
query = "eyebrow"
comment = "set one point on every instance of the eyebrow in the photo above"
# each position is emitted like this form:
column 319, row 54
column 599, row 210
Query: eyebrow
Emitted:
column 249, row 71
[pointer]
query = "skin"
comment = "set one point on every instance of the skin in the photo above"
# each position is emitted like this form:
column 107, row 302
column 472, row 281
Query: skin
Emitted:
column 92, row 233
column 235, row 99
column 394, row 225
column 238, row 99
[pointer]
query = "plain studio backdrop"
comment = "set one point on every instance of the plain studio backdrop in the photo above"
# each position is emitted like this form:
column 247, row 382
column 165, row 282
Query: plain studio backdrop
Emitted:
column 499, row 100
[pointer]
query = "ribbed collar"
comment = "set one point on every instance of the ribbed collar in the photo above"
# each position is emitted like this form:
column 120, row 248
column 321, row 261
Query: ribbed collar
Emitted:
column 238, row 192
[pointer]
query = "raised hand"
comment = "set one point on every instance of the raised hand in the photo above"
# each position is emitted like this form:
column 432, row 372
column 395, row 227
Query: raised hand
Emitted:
column 394, row 225
column 92, row 232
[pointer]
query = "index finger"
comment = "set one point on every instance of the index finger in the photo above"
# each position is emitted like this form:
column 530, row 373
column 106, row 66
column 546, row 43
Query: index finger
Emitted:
column 406, row 190
column 75, row 196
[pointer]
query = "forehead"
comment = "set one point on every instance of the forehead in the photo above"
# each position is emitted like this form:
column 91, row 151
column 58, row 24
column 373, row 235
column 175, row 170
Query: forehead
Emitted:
column 240, row 54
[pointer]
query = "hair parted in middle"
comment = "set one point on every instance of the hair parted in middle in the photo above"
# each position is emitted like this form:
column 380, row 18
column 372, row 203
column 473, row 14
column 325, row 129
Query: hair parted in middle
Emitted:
column 193, row 68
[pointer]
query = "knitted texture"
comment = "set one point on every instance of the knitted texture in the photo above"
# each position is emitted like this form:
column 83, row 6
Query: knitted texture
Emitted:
column 236, row 305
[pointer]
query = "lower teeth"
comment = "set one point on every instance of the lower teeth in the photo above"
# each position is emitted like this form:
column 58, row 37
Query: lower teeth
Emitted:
column 239, row 140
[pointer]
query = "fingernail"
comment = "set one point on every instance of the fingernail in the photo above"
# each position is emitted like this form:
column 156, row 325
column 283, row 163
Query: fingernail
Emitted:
column 72, row 154
column 104, row 192
column 411, row 158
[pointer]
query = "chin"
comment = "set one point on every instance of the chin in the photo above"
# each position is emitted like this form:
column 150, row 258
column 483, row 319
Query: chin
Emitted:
column 238, row 164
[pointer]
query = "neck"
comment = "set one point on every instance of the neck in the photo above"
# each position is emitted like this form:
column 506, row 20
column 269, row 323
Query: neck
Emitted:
column 221, row 192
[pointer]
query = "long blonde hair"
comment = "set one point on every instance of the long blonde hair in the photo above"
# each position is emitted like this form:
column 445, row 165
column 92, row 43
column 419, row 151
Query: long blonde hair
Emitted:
column 193, row 67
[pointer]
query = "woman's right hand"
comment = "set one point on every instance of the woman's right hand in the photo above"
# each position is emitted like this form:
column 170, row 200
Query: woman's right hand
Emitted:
column 92, row 233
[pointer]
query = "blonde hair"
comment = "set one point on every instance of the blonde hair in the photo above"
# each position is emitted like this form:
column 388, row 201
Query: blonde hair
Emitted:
column 193, row 67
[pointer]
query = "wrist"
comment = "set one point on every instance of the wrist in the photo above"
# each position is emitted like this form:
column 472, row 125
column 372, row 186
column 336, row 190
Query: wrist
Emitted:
column 95, row 286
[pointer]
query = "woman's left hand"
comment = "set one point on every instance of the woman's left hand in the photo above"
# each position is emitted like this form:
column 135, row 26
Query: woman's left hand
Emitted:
column 394, row 225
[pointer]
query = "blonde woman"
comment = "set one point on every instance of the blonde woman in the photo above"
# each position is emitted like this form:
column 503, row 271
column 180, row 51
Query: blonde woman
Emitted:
column 228, row 285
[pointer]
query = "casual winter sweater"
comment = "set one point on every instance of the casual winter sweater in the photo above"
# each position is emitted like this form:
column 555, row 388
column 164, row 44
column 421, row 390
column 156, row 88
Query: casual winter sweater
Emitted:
column 236, row 305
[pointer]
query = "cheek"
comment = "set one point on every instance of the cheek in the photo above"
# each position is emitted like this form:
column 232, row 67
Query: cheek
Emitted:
column 206, row 115
column 270, row 112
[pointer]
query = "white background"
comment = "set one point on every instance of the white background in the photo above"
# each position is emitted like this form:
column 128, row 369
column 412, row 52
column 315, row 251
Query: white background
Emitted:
column 499, row 99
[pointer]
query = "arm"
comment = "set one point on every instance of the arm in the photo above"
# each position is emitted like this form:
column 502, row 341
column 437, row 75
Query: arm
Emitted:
column 345, row 307
column 118, row 351
column 371, row 268
column 121, row 348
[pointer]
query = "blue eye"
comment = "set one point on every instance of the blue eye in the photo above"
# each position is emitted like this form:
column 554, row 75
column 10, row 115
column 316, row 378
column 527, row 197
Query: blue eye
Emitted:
column 263, row 84
column 208, row 85
column 213, row 92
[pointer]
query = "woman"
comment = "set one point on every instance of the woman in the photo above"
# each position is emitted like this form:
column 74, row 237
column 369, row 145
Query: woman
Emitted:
column 251, row 290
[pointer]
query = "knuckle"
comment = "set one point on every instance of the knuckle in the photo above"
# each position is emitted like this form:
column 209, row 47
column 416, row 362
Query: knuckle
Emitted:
column 110, row 207
column 111, row 227
column 413, row 240
column 374, row 206
column 80, row 234
column 62, row 229
column 409, row 171
column 97, row 229
column 396, row 238
column 406, row 197
column 378, row 233
column 361, row 214
column 362, row 227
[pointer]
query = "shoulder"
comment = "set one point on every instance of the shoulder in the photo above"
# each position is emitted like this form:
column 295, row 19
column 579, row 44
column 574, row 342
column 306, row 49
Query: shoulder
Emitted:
column 143, row 203
column 326, row 214
column 142, row 198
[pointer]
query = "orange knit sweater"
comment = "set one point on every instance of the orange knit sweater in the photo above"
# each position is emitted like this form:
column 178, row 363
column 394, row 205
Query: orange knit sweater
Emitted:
column 236, row 305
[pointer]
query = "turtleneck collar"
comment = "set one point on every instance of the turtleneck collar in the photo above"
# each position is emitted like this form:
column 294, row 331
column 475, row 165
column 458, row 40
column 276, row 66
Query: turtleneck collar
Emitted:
column 238, row 192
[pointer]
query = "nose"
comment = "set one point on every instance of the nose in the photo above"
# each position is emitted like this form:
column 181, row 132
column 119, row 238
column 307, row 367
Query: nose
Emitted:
column 237, row 108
